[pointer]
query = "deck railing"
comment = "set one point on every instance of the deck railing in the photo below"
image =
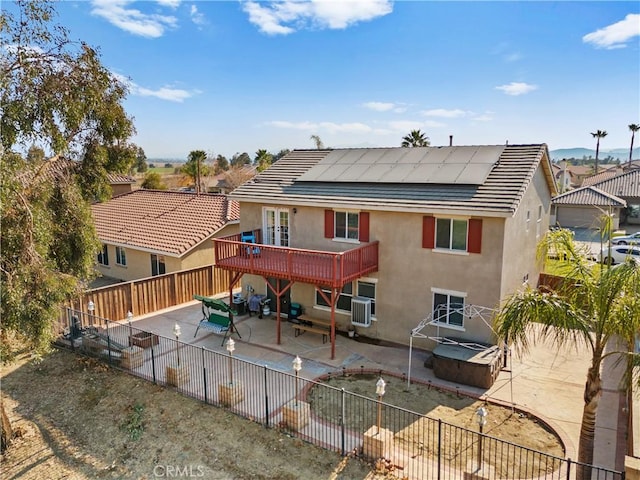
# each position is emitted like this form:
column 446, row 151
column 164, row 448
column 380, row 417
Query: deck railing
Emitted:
column 331, row 269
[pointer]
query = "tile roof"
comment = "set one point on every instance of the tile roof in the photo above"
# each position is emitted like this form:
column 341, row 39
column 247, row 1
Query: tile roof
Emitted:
column 589, row 195
column 604, row 175
column 58, row 167
column 498, row 195
column 625, row 185
column 165, row 222
column 120, row 179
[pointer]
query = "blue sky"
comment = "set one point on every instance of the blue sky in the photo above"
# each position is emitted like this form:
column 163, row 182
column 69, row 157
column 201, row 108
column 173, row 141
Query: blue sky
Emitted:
column 229, row 76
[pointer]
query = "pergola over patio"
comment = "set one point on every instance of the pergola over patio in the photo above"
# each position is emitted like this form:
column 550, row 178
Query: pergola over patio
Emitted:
column 324, row 270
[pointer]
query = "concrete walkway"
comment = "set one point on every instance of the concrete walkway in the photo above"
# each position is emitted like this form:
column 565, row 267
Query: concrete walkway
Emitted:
column 548, row 383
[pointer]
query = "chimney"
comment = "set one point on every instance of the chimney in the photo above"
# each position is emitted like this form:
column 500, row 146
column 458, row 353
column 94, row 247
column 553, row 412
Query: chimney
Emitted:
column 450, row 140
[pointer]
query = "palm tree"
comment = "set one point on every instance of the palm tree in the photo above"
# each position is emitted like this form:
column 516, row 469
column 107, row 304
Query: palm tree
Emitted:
column 598, row 134
column 263, row 160
column 415, row 139
column 591, row 307
column 195, row 168
column 317, row 141
column 634, row 127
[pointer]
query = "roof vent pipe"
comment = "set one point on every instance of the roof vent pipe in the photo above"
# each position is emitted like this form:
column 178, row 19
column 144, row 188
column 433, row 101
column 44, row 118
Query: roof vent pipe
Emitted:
column 450, row 140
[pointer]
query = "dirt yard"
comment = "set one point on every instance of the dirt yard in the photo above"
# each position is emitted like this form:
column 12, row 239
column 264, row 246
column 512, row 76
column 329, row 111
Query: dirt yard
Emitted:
column 78, row 419
column 460, row 411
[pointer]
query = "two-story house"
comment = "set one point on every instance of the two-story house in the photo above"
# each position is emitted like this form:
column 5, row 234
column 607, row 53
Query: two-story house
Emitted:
column 383, row 237
column 146, row 233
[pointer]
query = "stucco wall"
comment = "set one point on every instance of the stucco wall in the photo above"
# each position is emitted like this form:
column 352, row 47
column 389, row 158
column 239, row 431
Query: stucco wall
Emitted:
column 406, row 275
column 138, row 265
column 522, row 237
column 139, row 262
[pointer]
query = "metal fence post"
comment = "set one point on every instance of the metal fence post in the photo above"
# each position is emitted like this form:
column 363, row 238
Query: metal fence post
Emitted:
column 439, row 446
column 568, row 468
column 342, row 427
column 204, row 377
column 153, row 364
column 266, row 399
column 108, row 341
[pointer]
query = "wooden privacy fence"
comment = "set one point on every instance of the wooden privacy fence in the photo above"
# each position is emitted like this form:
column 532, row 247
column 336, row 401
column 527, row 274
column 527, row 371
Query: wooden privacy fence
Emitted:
column 151, row 294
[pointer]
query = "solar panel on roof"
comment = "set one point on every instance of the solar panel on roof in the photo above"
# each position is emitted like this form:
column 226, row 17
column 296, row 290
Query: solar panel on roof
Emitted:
column 443, row 165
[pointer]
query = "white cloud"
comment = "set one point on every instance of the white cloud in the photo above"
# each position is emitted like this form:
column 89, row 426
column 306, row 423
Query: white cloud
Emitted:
column 615, row 35
column 132, row 20
column 483, row 117
column 197, row 17
column 405, row 126
column 512, row 57
column 330, row 127
column 165, row 93
column 379, row 106
column 441, row 112
column 385, row 107
column 285, row 17
column 354, row 127
column 295, row 126
column 517, row 88
column 169, row 3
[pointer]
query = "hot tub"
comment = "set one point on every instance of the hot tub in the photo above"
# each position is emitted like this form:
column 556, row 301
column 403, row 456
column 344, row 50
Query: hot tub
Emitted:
column 469, row 366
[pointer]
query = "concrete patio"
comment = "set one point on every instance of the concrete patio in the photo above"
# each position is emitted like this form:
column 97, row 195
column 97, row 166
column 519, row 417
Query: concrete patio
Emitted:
column 548, row 383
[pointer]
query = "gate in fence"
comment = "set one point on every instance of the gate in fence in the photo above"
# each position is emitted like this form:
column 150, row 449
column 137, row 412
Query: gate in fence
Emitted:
column 417, row 446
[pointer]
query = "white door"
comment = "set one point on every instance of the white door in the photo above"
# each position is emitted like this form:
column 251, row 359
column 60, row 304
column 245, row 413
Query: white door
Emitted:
column 276, row 227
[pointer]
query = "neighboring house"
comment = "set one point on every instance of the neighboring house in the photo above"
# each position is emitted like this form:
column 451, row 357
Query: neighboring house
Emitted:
column 564, row 178
column 149, row 232
column 120, row 183
column 583, row 207
column 578, row 173
column 618, row 195
column 384, row 237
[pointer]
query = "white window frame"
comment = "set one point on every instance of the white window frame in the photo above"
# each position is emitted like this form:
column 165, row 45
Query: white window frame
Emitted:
column 539, row 222
column 449, row 294
column 160, row 259
column 451, row 223
column 104, row 255
column 121, row 256
column 372, row 281
column 346, row 237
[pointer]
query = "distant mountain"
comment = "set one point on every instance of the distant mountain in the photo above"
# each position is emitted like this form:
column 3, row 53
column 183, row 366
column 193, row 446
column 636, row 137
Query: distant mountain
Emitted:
column 619, row 153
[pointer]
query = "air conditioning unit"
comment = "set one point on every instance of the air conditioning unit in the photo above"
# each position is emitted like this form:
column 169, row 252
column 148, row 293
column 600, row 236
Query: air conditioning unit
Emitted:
column 361, row 311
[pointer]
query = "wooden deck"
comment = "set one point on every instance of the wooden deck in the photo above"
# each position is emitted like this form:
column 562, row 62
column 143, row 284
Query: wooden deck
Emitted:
column 330, row 269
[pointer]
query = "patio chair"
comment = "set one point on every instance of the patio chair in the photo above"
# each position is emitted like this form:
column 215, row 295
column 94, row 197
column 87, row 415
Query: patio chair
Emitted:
column 249, row 237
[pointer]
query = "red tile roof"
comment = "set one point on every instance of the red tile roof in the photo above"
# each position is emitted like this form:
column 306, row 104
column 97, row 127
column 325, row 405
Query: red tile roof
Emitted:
column 165, row 222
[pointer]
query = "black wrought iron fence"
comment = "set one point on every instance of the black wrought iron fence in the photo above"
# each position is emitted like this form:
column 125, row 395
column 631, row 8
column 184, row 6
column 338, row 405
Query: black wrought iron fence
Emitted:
column 415, row 445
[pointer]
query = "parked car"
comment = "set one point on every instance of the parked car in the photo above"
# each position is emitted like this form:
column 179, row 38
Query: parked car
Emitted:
column 620, row 253
column 633, row 239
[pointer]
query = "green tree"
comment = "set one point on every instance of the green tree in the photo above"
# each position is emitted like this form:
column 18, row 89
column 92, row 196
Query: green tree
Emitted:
column 415, row 139
column 153, row 181
column 195, row 168
column 55, row 94
column 221, row 165
column 240, row 159
column 263, row 160
column 317, row 141
column 634, row 127
column 35, row 155
column 280, row 154
column 590, row 307
column 598, row 134
column 141, row 161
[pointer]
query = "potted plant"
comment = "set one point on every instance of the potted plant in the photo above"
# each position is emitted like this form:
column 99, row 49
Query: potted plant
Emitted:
column 351, row 331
